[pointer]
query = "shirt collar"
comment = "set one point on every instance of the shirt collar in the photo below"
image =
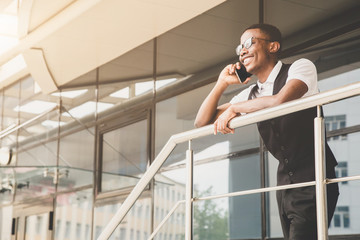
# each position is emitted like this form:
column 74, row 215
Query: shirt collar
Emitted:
column 272, row 76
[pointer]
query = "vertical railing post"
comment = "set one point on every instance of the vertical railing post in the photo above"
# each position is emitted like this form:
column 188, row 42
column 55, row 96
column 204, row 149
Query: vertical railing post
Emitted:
column 189, row 194
column 321, row 200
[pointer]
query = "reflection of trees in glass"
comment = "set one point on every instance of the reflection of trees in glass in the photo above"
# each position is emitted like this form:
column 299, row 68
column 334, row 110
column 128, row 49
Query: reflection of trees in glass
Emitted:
column 210, row 221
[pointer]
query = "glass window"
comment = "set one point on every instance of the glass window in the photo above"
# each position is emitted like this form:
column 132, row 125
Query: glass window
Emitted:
column 124, row 156
column 42, row 154
column 122, row 233
column 76, row 159
column 77, row 149
column 335, row 123
column 341, row 170
column 36, row 138
column 341, row 217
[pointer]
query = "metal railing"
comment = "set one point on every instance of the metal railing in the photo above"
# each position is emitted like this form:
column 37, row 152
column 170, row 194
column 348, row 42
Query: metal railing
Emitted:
column 265, row 114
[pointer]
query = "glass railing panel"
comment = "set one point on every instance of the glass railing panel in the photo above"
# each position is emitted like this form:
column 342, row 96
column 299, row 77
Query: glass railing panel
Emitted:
column 73, row 215
column 112, row 181
column 7, row 178
column 135, row 225
column 33, row 182
column 73, row 178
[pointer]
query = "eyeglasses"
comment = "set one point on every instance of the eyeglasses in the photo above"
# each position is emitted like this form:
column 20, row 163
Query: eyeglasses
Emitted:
column 247, row 44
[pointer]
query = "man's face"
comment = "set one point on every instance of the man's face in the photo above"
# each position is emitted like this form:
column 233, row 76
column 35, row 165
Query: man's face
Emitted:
column 257, row 56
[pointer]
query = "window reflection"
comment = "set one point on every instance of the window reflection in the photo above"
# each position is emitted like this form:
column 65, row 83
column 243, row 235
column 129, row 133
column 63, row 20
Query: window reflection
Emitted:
column 73, row 215
column 36, row 226
column 124, row 156
column 135, row 224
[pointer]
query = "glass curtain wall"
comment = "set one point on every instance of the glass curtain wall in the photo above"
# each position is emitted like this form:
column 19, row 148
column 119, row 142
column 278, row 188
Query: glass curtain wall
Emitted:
column 37, row 141
column 340, row 117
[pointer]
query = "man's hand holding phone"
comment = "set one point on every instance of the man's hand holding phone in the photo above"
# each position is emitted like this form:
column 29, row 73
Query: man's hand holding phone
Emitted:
column 234, row 74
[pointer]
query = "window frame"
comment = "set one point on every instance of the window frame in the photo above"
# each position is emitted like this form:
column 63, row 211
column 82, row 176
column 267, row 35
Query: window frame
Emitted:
column 118, row 121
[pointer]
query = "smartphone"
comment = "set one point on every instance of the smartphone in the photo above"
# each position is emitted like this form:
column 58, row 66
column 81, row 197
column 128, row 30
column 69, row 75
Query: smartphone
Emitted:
column 242, row 74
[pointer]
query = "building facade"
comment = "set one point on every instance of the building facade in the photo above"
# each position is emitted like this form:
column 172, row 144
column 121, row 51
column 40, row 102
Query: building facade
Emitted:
column 71, row 156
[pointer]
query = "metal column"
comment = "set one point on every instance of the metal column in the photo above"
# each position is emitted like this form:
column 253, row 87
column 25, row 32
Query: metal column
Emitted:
column 189, row 194
column 321, row 199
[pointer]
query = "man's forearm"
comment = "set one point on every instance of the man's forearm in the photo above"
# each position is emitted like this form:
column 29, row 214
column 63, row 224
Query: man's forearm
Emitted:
column 209, row 108
column 255, row 104
column 294, row 89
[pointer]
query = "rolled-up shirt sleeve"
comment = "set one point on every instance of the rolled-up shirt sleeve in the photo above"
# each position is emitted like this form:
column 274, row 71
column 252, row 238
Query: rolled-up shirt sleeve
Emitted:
column 304, row 70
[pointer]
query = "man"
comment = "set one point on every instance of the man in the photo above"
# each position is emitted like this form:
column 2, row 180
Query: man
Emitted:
column 290, row 138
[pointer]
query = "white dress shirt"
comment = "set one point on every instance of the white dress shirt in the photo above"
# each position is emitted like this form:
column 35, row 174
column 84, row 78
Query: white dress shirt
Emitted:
column 302, row 69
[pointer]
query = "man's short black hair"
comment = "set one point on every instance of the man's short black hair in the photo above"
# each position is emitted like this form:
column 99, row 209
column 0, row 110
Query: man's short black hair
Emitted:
column 273, row 32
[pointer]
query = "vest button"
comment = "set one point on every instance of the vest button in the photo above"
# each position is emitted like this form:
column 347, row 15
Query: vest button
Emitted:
column 286, row 160
column 282, row 148
column 291, row 174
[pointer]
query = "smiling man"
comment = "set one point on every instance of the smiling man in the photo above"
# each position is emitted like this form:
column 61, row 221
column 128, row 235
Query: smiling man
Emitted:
column 290, row 138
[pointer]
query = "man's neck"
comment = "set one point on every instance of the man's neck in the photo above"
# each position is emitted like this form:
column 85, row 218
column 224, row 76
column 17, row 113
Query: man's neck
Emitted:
column 264, row 73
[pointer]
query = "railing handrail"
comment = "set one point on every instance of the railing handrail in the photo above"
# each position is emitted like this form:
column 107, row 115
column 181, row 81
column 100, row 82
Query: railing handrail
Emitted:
column 325, row 97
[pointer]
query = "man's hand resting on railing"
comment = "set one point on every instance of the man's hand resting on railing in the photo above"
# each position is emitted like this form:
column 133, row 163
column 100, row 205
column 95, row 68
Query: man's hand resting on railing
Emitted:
column 222, row 123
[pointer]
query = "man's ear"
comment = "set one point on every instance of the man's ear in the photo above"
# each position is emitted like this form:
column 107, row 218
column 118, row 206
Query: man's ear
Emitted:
column 274, row 47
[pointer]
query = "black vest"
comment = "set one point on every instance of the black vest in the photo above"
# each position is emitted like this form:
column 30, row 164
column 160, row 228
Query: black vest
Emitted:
column 290, row 139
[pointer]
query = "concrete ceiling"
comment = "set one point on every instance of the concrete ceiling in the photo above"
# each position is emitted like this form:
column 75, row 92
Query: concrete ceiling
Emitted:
column 210, row 38
column 71, row 38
